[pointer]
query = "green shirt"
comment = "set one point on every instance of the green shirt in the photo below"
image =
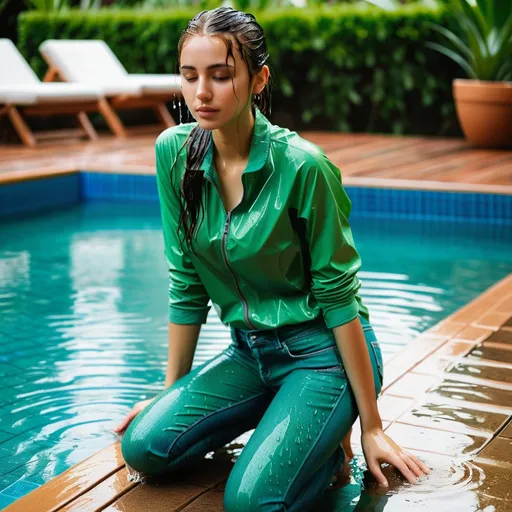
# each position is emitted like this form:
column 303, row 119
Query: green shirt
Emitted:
column 284, row 255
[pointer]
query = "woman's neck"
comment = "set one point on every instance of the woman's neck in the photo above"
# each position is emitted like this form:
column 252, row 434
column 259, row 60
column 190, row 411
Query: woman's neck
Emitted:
column 233, row 142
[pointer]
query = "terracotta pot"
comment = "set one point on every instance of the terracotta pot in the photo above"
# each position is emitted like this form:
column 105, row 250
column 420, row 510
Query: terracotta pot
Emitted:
column 484, row 110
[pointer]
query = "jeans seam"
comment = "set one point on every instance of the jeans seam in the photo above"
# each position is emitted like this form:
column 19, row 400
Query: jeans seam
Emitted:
column 209, row 415
column 316, row 443
column 380, row 367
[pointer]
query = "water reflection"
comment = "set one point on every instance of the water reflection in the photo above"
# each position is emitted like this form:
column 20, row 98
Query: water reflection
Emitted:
column 83, row 299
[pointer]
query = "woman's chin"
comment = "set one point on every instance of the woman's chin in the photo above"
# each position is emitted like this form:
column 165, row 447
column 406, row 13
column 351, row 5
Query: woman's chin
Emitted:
column 208, row 124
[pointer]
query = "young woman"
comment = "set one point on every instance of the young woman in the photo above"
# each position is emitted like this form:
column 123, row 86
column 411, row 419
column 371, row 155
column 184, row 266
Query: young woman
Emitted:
column 255, row 219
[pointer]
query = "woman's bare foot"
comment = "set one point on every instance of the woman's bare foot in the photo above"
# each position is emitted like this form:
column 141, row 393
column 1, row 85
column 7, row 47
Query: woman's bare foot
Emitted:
column 347, row 448
column 342, row 477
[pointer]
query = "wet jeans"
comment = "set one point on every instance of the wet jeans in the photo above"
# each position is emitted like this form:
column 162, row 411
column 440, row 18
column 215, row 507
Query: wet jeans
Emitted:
column 287, row 383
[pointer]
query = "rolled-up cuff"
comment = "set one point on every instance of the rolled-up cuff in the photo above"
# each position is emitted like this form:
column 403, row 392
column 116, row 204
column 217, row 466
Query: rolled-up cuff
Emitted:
column 188, row 317
column 337, row 316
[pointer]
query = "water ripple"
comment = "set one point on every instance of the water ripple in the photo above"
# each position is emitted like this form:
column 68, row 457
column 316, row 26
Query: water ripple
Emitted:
column 83, row 299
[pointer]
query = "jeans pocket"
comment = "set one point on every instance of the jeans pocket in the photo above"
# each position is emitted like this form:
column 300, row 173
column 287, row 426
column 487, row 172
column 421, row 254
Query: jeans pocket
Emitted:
column 309, row 343
column 304, row 354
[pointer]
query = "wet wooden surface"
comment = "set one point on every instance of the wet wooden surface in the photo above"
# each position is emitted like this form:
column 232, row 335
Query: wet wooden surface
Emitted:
column 369, row 160
column 457, row 421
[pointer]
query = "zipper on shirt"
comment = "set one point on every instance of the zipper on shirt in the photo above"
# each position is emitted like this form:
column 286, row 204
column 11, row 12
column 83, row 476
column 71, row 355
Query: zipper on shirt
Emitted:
column 224, row 245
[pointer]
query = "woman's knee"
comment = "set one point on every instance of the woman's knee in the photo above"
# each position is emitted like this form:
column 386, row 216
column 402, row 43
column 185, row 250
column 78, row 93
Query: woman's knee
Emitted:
column 138, row 450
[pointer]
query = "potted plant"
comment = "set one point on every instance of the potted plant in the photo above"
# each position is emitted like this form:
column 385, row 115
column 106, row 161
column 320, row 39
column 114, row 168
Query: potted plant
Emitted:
column 484, row 101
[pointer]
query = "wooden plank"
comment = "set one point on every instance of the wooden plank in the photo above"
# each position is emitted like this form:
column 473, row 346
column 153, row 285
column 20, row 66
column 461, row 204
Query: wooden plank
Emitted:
column 185, row 488
column 105, row 492
column 397, row 162
column 168, row 497
column 73, row 483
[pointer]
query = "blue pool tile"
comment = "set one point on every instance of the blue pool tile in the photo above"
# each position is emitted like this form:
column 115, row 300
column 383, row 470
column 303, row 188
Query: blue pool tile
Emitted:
column 37, row 195
column 19, row 488
column 426, row 204
column 119, row 186
column 4, row 436
column 5, row 501
column 9, row 370
column 17, row 380
column 386, row 203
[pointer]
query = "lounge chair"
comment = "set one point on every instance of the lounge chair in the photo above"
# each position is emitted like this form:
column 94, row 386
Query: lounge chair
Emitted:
column 22, row 95
column 92, row 62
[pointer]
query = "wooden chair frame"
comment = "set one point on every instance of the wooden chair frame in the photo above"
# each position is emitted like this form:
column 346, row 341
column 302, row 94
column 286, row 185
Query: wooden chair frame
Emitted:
column 108, row 107
column 17, row 113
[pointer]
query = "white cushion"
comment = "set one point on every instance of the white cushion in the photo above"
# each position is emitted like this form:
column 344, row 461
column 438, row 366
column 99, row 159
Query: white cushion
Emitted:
column 89, row 62
column 58, row 92
column 157, row 84
column 18, row 71
column 117, row 88
column 48, row 93
column 10, row 95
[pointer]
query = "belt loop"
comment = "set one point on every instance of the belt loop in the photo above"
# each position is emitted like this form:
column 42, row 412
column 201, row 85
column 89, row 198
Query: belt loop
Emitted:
column 279, row 335
column 235, row 335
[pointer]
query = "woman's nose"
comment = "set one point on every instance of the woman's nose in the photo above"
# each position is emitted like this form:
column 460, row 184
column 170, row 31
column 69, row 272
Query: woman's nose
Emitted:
column 203, row 92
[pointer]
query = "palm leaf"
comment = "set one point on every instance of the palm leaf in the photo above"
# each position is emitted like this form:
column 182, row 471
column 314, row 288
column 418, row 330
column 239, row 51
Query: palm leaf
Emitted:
column 472, row 14
column 454, row 39
column 496, row 12
column 505, row 72
column 464, row 64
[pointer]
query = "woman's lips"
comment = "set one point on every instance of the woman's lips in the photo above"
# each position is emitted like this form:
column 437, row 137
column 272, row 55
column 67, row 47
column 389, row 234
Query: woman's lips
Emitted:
column 207, row 113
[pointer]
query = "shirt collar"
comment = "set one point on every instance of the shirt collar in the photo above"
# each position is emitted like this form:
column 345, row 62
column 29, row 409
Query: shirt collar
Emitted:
column 258, row 154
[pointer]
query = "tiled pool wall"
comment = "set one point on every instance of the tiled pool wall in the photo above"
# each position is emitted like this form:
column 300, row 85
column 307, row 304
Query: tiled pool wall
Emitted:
column 42, row 194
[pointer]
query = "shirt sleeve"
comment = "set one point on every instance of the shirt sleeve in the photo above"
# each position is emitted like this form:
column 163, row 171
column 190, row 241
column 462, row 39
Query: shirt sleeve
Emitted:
column 188, row 298
column 335, row 261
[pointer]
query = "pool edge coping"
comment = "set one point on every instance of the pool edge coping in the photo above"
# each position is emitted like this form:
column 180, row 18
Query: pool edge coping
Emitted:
column 11, row 177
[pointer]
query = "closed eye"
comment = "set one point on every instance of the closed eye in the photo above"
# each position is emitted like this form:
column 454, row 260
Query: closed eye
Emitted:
column 217, row 78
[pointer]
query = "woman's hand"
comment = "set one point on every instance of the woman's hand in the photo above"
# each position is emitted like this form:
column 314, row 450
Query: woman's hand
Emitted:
column 377, row 446
column 138, row 407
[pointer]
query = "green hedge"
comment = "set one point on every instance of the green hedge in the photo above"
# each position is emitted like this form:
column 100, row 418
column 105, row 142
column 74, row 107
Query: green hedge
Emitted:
column 346, row 68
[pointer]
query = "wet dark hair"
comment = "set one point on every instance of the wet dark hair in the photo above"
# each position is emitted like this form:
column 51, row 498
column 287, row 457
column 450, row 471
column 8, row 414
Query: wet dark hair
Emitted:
column 250, row 42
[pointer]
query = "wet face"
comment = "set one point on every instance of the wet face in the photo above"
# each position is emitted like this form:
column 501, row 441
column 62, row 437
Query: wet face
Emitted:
column 211, row 82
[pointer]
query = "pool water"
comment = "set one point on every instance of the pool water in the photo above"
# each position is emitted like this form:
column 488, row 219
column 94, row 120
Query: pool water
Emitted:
column 83, row 304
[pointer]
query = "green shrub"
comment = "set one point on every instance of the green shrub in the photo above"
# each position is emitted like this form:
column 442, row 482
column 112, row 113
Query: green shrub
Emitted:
column 346, row 68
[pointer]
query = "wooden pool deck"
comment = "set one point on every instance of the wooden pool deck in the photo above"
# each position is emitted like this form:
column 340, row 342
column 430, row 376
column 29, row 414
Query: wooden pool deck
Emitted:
column 447, row 396
column 366, row 160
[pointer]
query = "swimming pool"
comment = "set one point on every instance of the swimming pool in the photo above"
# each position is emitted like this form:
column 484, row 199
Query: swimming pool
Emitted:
column 83, row 298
